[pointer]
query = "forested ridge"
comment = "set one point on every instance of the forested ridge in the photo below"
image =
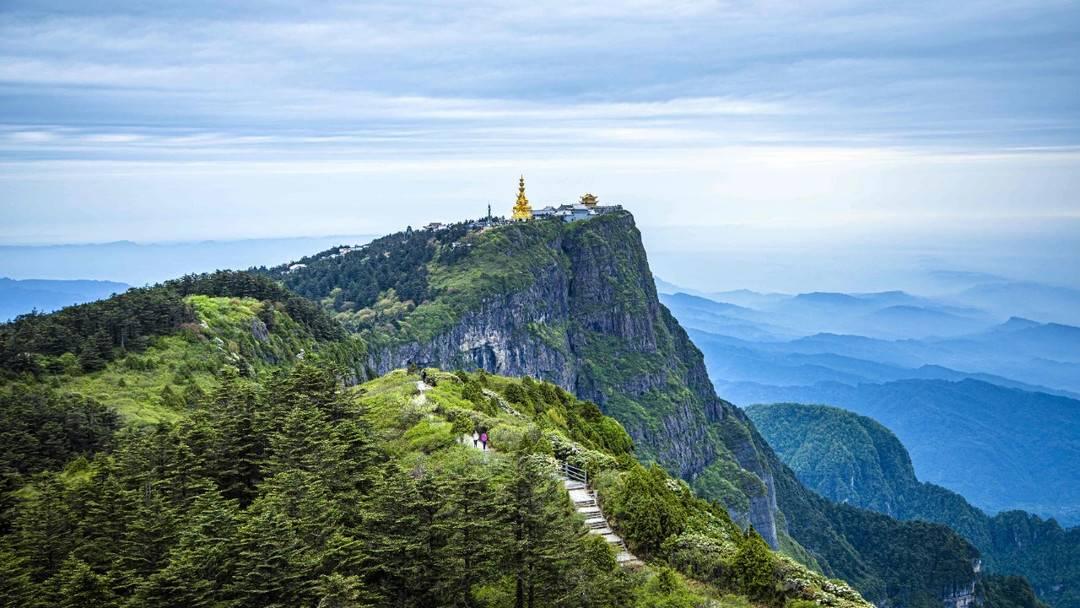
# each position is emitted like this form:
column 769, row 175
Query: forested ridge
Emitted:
column 853, row 459
column 575, row 304
column 204, row 462
column 97, row 332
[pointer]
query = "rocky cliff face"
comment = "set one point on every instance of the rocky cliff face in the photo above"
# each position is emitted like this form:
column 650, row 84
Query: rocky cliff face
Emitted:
column 588, row 319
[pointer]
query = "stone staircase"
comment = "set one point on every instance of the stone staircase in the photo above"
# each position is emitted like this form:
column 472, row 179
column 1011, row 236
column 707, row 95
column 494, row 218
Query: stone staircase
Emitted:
column 576, row 482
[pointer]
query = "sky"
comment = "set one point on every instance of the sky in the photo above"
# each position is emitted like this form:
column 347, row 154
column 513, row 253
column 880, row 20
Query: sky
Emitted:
column 770, row 145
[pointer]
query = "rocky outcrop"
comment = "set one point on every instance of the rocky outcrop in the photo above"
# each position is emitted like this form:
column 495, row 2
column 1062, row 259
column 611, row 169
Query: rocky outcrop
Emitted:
column 590, row 321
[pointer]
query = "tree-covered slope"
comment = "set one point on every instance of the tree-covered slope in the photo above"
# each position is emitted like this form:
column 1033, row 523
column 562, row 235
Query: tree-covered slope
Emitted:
column 287, row 489
column 147, row 352
column 853, row 459
column 575, row 304
column 963, row 434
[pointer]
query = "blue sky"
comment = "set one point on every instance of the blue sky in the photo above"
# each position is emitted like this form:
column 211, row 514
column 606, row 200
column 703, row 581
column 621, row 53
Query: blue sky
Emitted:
column 946, row 131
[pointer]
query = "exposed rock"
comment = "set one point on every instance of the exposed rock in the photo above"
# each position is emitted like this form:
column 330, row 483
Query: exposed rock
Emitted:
column 259, row 331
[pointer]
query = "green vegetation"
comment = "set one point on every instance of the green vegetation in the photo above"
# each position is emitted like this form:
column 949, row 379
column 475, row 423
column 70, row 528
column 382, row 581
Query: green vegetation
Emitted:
column 1008, row 592
column 575, row 303
column 157, row 349
column 285, row 489
column 280, row 462
column 853, row 459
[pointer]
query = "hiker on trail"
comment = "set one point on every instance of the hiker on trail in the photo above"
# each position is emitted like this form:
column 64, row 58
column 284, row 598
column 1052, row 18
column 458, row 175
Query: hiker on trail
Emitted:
column 483, row 439
column 475, row 438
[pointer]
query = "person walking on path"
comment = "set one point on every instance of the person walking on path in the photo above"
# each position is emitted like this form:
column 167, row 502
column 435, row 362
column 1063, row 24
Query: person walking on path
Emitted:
column 483, row 439
column 475, row 438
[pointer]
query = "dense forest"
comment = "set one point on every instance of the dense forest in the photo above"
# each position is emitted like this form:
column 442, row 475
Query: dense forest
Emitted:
column 355, row 280
column 292, row 491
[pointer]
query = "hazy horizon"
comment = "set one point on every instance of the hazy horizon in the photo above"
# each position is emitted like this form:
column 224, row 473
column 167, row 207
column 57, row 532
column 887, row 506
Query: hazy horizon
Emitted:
column 686, row 256
column 788, row 139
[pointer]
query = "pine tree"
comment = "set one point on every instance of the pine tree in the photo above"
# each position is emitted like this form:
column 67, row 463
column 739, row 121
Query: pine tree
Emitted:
column 80, row 587
column 398, row 541
column 151, row 531
column 752, row 568
column 304, row 443
column 271, row 564
column 544, row 533
column 202, row 561
column 306, row 386
column 43, row 529
column 473, row 526
column 339, row 591
column 16, row 588
column 234, row 412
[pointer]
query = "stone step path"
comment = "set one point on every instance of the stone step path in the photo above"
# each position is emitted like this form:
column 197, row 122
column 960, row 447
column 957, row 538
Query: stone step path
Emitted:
column 576, row 483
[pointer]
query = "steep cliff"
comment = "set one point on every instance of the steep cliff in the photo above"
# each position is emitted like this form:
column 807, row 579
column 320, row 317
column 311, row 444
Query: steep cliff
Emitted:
column 575, row 304
column 583, row 314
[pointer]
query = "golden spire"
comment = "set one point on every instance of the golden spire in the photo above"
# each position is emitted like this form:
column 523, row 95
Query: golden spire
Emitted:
column 589, row 199
column 522, row 209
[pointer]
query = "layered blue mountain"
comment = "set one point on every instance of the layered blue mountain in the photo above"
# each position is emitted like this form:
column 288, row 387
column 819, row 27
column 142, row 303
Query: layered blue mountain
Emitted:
column 21, row 297
column 1000, row 448
column 990, row 411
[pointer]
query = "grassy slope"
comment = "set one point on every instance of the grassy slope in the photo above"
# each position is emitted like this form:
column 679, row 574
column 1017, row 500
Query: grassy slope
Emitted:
column 133, row 385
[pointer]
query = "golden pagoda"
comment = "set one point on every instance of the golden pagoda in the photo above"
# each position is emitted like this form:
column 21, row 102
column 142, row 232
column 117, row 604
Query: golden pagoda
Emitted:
column 522, row 209
column 589, row 199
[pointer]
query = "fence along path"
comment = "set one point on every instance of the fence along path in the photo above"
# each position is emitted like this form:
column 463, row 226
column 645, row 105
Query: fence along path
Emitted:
column 577, row 484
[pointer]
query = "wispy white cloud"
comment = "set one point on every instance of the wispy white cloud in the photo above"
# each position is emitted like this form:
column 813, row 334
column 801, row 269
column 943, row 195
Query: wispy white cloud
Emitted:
column 827, row 113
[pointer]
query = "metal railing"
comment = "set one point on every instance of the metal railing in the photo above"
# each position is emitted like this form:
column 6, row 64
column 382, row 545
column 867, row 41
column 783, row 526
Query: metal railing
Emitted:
column 575, row 473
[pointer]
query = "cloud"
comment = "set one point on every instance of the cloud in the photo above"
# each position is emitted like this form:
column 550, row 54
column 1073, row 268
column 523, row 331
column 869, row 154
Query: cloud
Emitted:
column 836, row 113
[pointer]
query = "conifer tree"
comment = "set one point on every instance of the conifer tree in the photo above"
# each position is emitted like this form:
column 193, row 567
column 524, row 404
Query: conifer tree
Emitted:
column 473, row 525
column 202, row 561
column 150, row 533
column 304, row 443
column 271, row 565
column 234, row 412
column 43, row 529
column 78, row 586
column 15, row 585
column 752, row 568
column 544, row 532
column 339, row 591
column 399, row 544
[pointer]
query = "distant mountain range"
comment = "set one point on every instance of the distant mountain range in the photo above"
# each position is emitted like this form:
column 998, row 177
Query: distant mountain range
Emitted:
column 987, row 406
column 20, row 297
column 143, row 263
column 1001, row 448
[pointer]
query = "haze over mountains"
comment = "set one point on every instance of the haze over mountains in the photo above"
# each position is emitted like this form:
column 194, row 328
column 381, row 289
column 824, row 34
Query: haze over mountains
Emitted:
column 144, row 263
column 986, row 403
column 19, row 297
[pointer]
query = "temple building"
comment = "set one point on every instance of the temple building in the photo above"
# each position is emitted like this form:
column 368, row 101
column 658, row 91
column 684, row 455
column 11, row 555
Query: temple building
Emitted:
column 587, row 206
column 522, row 210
